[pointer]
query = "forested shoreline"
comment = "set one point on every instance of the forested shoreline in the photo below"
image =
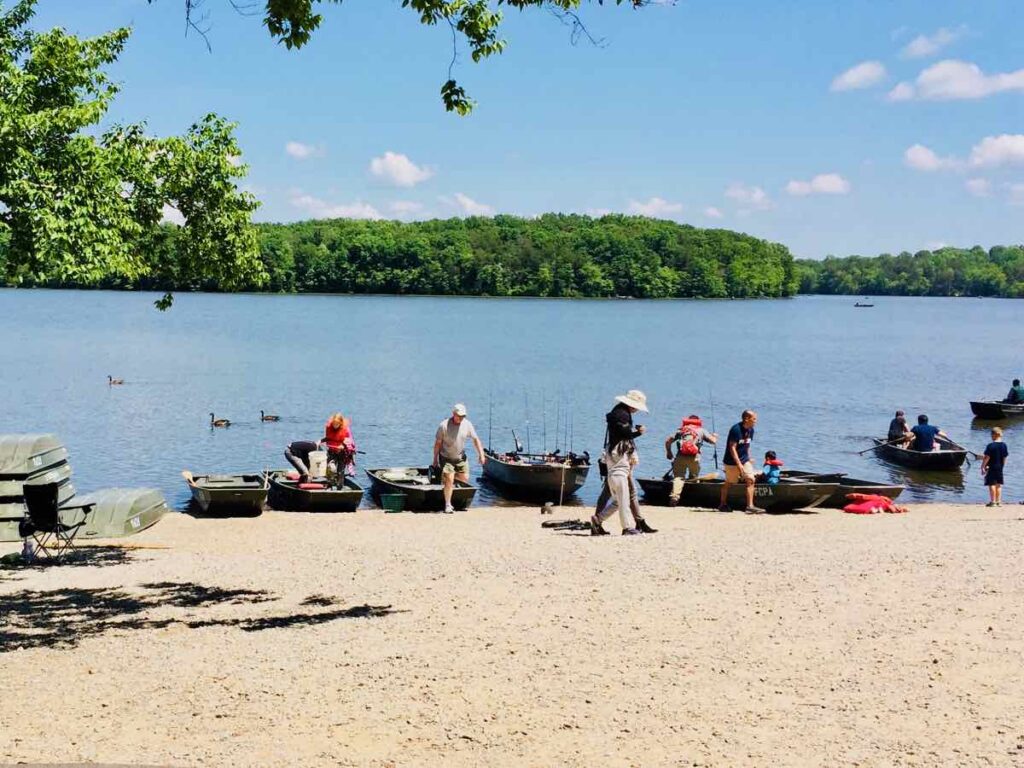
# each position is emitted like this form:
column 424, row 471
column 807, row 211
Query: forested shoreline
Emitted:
column 558, row 255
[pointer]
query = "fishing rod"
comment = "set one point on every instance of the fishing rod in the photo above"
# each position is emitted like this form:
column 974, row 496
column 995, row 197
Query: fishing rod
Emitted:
column 572, row 422
column 526, row 401
column 711, row 398
column 490, row 417
column 565, row 427
column 558, row 419
column 544, row 417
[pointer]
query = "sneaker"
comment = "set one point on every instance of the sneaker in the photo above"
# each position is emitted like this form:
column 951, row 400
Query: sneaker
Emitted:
column 725, row 508
column 630, row 532
column 596, row 529
column 754, row 511
column 644, row 527
column 673, row 501
column 990, row 504
column 449, row 509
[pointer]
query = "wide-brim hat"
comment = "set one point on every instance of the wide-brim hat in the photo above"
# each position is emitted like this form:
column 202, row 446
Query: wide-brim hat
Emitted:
column 634, row 399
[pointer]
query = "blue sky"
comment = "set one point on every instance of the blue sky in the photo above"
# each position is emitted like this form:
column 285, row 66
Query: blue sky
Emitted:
column 835, row 128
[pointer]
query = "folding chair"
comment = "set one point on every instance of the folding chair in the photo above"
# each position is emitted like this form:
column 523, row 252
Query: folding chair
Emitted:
column 53, row 537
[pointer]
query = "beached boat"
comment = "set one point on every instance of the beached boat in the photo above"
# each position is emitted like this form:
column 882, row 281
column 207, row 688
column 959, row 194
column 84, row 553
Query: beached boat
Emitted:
column 12, row 510
column 949, row 456
column 786, row 496
column 117, row 512
column 22, row 456
column 847, row 485
column 536, row 475
column 996, row 409
column 421, row 495
column 287, row 494
column 228, row 494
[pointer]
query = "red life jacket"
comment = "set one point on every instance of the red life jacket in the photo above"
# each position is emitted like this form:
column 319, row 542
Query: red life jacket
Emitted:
column 689, row 437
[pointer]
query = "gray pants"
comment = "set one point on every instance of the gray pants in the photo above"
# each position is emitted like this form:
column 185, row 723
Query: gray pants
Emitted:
column 296, row 462
column 606, row 494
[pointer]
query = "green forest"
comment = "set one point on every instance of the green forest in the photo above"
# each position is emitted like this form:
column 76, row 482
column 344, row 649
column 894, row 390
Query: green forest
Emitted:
column 568, row 256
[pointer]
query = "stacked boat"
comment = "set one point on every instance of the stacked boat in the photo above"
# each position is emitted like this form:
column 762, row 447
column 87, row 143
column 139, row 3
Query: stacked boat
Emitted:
column 41, row 459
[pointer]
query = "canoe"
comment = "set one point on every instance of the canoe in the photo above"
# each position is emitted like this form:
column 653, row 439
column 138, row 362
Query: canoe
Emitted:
column 951, row 455
column 24, row 455
column 285, row 494
column 421, row 495
column 847, row 485
column 228, row 494
column 996, row 409
column 118, row 512
column 786, row 496
column 534, row 475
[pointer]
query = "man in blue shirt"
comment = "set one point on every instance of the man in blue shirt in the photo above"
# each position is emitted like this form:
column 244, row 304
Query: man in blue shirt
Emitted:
column 738, row 468
column 925, row 434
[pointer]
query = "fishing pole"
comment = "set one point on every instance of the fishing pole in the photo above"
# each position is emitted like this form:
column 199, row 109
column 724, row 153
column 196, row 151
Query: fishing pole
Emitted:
column 711, row 398
column 572, row 422
column 565, row 427
column 526, row 401
column 490, row 417
column 544, row 417
column 558, row 419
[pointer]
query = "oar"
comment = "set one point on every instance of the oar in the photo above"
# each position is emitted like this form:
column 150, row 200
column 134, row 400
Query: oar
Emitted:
column 187, row 475
column 880, row 445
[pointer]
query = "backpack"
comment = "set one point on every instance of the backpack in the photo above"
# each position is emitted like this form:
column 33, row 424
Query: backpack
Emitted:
column 689, row 439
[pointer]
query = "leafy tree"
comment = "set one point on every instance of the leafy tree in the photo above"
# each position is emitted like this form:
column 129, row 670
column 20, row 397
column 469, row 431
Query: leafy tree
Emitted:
column 475, row 24
column 79, row 206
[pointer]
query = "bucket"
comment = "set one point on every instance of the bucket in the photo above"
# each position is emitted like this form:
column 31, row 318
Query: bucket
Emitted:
column 318, row 463
column 392, row 502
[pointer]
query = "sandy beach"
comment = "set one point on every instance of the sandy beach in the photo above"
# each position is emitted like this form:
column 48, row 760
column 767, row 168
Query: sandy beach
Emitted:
column 483, row 639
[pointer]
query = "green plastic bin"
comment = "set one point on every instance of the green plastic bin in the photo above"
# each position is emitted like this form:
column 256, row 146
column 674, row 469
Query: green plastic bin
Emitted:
column 392, row 502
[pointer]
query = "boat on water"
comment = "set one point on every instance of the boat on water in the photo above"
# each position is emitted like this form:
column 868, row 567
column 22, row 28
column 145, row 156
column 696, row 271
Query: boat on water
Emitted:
column 863, row 305
column 949, row 456
column 417, row 486
column 847, row 485
column 705, row 493
column 996, row 409
column 550, row 476
column 287, row 494
column 228, row 494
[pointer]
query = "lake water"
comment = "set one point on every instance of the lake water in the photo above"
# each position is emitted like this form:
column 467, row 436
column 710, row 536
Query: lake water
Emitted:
column 823, row 375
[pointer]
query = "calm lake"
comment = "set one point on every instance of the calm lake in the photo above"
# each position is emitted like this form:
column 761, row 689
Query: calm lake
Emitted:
column 823, row 375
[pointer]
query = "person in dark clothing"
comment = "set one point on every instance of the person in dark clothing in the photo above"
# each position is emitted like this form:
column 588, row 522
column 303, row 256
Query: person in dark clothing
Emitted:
column 925, row 434
column 1016, row 394
column 992, row 467
column 297, row 454
column 620, row 457
column 899, row 432
column 738, row 468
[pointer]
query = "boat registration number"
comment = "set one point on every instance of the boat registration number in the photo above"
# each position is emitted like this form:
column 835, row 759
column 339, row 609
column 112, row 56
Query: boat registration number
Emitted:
column 763, row 490
column 136, row 523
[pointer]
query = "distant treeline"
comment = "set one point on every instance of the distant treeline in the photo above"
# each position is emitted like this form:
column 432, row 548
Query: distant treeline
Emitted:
column 578, row 256
column 944, row 272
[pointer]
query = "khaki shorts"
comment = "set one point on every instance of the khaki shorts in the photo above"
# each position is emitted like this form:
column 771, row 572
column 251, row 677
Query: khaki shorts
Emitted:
column 733, row 473
column 453, row 467
column 686, row 467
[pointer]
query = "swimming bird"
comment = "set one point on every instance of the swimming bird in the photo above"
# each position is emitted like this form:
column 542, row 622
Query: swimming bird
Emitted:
column 111, row 381
column 268, row 417
column 215, row 422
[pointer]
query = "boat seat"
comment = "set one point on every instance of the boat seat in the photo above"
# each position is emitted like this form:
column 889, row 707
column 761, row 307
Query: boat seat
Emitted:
column 311, row 486
column 220, row 478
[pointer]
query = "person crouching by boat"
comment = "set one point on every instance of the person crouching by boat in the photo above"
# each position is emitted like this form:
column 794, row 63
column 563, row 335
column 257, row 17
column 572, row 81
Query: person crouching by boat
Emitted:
column 899, row 432
column 620, row 457
column 450, row 451
column 738, row 468
column 771, row 472
column 992, row 467
column 925, row 434
column 1016, row 394
column 297, row 454
column 689, row 438
column 341, row 448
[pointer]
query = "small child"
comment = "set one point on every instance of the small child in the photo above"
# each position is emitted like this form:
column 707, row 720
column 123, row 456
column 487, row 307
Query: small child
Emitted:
column 992, row 467
column 772, row 470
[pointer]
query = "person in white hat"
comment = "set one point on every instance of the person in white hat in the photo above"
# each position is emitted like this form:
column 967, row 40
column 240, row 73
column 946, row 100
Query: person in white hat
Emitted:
column 620, row 458
column 450, row 451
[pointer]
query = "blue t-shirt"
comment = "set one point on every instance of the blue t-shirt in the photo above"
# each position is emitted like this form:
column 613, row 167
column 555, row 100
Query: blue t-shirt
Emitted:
column 741, row 436
column 924, row 437
column 997, row 453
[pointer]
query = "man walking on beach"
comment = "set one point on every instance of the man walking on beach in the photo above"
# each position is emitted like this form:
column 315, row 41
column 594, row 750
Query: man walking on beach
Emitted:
column 450, row 451
column 621, row 456
column 737, row 462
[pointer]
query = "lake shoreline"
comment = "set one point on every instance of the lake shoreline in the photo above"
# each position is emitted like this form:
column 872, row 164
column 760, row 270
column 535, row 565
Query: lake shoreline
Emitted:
column 481, row 638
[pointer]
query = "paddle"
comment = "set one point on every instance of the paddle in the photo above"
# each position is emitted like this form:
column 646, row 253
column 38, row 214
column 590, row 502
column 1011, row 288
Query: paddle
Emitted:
column 880, row 445
column 187, row 475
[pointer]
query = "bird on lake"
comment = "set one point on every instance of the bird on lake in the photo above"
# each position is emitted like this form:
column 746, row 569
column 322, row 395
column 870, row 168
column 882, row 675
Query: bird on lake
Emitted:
column 268, row 417
column 111, row 381
column 215, row 422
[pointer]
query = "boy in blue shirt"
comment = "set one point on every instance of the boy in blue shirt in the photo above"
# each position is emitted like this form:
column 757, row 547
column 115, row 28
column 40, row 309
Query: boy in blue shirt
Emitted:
column 772, row 469
column 992, row 467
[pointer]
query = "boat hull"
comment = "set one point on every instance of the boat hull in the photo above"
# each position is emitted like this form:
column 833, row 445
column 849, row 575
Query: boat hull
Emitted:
column 229, row 494
column 285, row 496
column 994, row 409
column 530, row 480
column 420, row 494
column 705, row 494
column 943, row 460
column 847, row 485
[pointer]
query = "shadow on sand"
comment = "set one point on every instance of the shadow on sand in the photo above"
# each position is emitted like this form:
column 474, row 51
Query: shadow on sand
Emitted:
column 65, row 617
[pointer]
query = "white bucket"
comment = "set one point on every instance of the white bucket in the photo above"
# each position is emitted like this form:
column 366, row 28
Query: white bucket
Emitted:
column 318, row 463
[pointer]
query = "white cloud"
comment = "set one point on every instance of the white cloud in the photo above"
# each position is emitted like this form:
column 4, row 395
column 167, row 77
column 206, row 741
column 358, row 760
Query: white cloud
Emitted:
column 172, row 215
column 864, row 75
column 928, row 45
column 993, row 151
column 399, row 170
column 978, row 187
column 713, row 213
column 301, row 151
column 597, row 213
column 405, row 208
column 321, row 209
column 953, row 79
column 656, row 207
column 920, row 158
column 749, row 196
column 1016, row 194
column 468, row 205
column 822, row 184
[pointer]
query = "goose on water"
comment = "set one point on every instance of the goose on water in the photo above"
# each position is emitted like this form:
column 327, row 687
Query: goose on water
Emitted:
column 268, row 417
column 215, row 422
column 111, row 381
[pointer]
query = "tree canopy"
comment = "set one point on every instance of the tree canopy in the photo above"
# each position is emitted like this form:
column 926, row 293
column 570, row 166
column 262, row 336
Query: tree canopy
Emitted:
column 475, row 24
column 79, row 202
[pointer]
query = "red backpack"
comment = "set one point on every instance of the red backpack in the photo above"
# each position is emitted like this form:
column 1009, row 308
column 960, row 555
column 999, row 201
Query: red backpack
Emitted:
column 689, row 437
